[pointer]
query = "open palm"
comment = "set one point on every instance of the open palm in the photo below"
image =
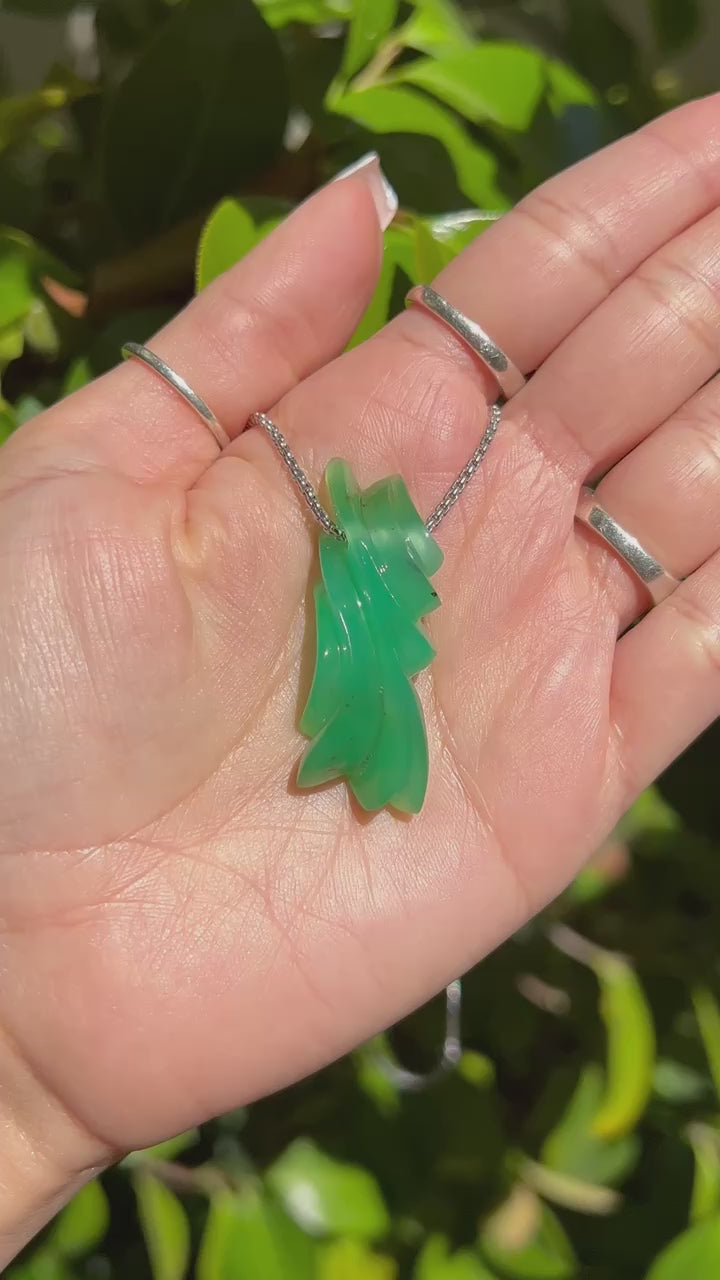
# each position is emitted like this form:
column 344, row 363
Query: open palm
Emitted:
column 181, row 929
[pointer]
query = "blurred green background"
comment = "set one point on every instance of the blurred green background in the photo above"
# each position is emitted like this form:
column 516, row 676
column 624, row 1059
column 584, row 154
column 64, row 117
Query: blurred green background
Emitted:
column 144, row 146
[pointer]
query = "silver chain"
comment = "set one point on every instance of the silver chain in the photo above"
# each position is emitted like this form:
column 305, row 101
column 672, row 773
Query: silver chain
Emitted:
column 468, row 471
column 276, row 436
column 300, row 479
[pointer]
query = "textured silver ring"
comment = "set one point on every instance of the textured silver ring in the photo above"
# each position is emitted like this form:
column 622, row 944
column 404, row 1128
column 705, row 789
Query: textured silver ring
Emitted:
column 659, row 583
column 507, row 375
column 196, row 402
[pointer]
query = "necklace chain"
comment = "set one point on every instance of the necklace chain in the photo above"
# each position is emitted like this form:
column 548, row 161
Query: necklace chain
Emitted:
column 304, row 486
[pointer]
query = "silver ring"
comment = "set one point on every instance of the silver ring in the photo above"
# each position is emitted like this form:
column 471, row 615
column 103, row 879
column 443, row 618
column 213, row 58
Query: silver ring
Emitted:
column 196, row 402
column 507, row 375
column 651, row 573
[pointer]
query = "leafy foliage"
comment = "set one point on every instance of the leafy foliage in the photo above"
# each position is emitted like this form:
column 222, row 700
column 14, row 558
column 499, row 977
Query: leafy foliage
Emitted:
column 579, row 1137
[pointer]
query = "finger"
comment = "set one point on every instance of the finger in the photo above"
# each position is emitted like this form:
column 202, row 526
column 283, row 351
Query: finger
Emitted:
column 640, row 356
column 529, row 279
column 666, row 492
column 543, row 267
column 289, row 306
column 666, row 680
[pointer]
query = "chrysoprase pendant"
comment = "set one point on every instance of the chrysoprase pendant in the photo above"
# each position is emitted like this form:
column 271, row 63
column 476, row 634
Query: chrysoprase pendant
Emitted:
column 363, row 713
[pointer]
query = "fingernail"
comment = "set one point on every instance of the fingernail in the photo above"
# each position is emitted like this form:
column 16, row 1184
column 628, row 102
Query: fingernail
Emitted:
column 383, row 194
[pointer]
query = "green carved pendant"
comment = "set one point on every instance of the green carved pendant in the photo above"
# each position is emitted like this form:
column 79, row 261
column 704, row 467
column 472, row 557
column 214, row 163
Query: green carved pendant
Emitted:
column 363, row 714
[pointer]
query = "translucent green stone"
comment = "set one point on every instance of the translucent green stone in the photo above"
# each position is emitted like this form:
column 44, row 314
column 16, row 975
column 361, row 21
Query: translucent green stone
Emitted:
column 363, row 714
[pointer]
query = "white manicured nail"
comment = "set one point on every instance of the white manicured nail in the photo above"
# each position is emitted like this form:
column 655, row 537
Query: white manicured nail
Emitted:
column 383, row 194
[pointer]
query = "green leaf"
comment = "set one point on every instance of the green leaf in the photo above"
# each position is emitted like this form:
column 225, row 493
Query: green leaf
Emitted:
column 695, row 1255
column 202, row 110
column 498, row 82
column 25, row 314
column 380, row 1084
column 26, row 407
column 676, row 22
column 476, row 1069
column 568, row 89
column 707, row 1013
column 268, row 226
column 164, row 1226
column 437, row 27
column 458, row 230
column 631, row 1046
column 435, row 1262
column 79, row 373
column 705, row 1143
column 278, row 13
column 171, row 1148
column 395, row 109
column 377, row 312
column 352, row 1260
column 431, row 254
column 12, row 343
column 650, row 813
column 102, row 355
column 524, row 1240
column 19, row 114
column 248, row 1237
column 420, row 246
column 371, row 20
column 43, row 1265
column 83, row 1224
column 400, row 246
column 327, row 1197
column 8, row 421
column 591, row 883
column 41, row 333
column 226, row 237
column 123, row 28
column 677, row 1083
column 17, row 284
column 574, row 1148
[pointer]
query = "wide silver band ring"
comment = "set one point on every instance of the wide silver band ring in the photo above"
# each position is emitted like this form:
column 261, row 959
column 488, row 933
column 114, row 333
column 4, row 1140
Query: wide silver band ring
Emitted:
column 507, row 375
column 659, row 583
column 196, row 402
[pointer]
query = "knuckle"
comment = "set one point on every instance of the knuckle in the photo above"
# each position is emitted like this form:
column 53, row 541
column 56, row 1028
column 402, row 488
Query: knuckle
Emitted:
column 703, row 441
column 679, row 288
column 689, row 165
column 237, row 323
column 577, row 234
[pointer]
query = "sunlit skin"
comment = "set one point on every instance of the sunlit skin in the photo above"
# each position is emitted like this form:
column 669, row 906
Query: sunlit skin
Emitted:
column 181, row 929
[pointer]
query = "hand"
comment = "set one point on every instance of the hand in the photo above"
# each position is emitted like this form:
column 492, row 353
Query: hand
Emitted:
column 182, row 929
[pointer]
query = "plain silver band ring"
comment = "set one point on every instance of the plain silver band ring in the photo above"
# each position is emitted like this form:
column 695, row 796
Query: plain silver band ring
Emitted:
column 651, row 573
column 148, row 357
column 507, row 375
